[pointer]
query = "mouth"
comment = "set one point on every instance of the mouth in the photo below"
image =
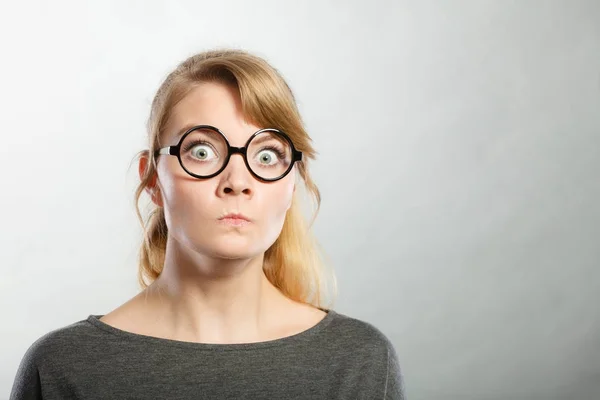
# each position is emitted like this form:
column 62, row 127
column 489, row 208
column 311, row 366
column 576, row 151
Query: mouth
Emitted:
column 235, row 219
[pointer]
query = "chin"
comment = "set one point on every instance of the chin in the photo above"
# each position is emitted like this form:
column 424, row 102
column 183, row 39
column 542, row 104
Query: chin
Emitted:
column 229, row 248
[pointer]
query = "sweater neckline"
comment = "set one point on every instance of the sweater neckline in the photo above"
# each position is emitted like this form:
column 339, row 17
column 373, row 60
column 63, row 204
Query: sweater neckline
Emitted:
column 307, row 334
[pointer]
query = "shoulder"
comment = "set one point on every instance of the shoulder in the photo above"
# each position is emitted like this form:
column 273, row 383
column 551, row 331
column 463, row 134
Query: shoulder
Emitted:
column 48, row 356
column 356, row 331
column 58, row 342
column 360, row 338
column 374, row 349
column 367, row 353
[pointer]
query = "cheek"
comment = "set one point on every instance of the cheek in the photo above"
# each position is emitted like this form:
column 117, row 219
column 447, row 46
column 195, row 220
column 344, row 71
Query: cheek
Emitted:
column 278, row 201
column 186, row 204
column 181, row 190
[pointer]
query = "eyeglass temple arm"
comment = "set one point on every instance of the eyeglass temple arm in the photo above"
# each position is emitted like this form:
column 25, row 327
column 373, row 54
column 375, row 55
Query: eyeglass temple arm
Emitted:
column 169, row 150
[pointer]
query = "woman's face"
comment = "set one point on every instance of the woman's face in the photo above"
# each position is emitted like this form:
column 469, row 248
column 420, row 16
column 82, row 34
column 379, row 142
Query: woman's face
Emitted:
column 193, row 207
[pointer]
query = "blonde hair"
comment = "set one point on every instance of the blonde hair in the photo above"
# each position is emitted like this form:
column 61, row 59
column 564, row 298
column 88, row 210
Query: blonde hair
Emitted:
column 294, row 263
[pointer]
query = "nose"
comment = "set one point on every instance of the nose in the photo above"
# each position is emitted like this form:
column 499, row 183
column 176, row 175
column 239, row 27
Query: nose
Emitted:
column 236, row 179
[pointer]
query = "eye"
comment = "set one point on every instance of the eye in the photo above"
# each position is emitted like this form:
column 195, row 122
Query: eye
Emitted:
column 202, row 152
column 268, row 156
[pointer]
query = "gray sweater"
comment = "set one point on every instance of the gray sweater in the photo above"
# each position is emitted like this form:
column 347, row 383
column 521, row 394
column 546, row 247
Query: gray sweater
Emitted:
column 339, row 358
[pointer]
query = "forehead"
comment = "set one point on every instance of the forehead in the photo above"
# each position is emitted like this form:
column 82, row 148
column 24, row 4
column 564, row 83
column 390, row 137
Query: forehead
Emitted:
column 213, row 104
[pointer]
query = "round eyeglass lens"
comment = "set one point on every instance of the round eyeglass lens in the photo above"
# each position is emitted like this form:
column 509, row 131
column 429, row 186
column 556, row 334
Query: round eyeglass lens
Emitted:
column 269, row 155
column 203, row 152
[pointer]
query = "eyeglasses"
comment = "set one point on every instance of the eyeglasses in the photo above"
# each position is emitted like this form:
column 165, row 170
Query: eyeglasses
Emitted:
column 203, row 152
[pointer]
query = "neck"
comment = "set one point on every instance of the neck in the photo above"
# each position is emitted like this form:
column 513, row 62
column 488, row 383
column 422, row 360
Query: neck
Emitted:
column 214, row 300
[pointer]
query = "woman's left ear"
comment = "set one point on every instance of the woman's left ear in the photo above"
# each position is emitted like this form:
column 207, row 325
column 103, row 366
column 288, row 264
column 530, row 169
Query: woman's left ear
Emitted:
column 291, row 198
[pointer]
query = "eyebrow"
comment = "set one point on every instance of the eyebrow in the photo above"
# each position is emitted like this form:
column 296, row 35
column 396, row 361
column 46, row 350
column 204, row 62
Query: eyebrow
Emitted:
column 186, row 128
column 263, row 139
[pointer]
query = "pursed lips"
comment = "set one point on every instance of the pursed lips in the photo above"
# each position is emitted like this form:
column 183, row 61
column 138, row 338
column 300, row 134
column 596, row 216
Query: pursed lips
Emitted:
column 234, row 218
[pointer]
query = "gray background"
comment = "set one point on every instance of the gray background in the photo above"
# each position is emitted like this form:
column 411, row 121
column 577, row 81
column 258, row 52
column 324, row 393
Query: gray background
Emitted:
column 459, row 161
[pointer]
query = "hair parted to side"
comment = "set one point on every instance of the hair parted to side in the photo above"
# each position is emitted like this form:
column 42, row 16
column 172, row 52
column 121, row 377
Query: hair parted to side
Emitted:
column 294, row 263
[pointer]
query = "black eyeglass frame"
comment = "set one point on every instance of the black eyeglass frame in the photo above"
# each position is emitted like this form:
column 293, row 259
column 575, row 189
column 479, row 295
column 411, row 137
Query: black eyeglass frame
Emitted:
column 176, row 151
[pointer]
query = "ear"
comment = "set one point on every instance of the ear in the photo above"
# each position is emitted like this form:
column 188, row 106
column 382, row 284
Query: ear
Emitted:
column 291, row 198
column 152, row 189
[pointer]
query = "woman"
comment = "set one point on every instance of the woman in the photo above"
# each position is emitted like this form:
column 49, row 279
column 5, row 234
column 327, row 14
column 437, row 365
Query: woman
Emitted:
column 232, row 304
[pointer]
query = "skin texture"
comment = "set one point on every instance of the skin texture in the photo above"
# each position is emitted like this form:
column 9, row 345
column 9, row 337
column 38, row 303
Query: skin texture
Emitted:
column 213, row 289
